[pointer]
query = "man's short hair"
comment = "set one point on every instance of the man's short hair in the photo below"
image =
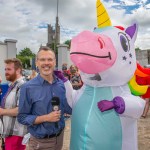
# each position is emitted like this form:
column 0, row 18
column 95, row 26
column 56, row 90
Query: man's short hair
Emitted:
column 45, row 48
column 17, row 63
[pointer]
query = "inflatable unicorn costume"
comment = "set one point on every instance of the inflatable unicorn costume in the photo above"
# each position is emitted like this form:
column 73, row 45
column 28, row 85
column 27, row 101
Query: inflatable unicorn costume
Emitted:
column 105, row 112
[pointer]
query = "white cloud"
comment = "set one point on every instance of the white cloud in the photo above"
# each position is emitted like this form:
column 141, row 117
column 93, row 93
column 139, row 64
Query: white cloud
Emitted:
column 128, row 2
column 21, row 19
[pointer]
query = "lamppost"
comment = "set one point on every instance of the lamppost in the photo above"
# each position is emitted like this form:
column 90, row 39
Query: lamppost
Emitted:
column 56, row 27
column 56, row 34
column 57, row 7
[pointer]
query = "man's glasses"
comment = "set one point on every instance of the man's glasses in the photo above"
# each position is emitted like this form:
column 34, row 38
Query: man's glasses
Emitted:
column 45, row 59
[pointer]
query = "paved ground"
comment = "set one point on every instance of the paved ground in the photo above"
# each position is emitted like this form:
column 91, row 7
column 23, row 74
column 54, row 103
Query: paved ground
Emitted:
column 67, row 135
column 143, row 134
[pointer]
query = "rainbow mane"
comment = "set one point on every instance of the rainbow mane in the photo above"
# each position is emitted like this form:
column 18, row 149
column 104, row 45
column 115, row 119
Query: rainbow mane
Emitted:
column 136, row 88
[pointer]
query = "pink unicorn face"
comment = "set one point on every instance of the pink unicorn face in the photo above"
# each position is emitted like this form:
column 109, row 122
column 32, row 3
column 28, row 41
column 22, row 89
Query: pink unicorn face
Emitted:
column 109, row 53
column 92, row 52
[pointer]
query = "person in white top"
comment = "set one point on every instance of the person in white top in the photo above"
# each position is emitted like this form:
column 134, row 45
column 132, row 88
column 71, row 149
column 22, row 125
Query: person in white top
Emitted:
column 13, row 131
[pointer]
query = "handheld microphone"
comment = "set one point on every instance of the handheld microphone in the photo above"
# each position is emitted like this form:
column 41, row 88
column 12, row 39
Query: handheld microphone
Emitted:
column 55, row 104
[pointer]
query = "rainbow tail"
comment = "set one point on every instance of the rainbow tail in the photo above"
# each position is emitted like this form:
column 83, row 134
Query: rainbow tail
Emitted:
column 135, row 88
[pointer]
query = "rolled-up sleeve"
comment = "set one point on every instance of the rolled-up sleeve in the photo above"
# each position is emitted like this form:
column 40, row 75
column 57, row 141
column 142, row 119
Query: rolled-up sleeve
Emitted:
column 68, row 109
column 25, row 104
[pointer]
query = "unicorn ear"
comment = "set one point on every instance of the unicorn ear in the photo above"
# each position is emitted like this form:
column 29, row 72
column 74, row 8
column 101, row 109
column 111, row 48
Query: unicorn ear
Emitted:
column 132, row 31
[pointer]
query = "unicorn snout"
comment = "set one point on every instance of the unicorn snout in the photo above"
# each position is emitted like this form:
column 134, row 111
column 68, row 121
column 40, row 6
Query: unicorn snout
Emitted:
column 93, row 50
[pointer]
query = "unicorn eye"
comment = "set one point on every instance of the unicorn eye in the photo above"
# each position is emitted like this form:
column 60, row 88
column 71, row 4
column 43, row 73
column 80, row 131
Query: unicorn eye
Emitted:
column 124, row 43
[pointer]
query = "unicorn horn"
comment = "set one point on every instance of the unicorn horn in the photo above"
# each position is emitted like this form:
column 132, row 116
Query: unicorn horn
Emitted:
column 103, row 19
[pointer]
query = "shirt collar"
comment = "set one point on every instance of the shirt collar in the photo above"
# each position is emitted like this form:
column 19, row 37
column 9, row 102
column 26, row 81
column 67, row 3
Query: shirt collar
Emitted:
column 17, row 81
column 21, row 78
column 42, row 80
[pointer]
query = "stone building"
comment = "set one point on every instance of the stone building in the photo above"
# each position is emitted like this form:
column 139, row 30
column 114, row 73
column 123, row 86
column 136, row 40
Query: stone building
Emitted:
column 7, row 50
column 143, row 57
column 53, row 34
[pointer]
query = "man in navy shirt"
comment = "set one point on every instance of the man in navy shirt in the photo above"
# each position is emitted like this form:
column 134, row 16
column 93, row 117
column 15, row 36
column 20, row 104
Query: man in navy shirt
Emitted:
column 45, row 125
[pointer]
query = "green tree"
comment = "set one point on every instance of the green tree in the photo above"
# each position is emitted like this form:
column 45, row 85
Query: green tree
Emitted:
column 68, row 42
column 26, row 52
column 25, row 56
column 137, row 49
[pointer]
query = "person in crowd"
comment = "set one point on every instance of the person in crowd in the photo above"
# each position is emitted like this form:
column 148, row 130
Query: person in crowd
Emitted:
column 13, row 131
column 75, row 78
column 65, row 71
column 146, row 96
column 43, row 104
column 33, row 75
column 146, row 109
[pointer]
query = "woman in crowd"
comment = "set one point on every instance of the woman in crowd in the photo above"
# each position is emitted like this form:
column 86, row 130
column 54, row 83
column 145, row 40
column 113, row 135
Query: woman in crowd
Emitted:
column 75, row 78
column 65, row 71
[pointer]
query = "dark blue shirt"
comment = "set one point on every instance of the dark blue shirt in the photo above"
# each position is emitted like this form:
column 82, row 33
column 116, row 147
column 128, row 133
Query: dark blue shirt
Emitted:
column 35, row 100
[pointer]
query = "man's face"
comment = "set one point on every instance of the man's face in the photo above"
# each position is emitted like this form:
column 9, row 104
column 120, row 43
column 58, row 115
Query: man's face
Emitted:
column 73, row 69
column 46, row 62
column 10, row 72
column 64, row 67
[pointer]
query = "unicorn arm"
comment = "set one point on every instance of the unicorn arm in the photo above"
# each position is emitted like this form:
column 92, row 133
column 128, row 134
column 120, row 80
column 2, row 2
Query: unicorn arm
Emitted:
column 73, row 95
column 134, row 106
column 69, row 93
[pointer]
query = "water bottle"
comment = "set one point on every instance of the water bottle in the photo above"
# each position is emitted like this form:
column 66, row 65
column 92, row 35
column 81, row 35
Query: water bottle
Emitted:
column 26, row 139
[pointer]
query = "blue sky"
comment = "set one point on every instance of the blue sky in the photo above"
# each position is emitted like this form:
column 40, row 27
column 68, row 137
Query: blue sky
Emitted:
column 26, row 20
column 131, row 5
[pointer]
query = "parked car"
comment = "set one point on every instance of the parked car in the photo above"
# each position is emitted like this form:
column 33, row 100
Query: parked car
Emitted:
column 147, row 66
column 26, row 73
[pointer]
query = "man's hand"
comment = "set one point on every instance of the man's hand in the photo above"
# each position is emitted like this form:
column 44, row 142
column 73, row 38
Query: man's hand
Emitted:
column 1, row 111
column 12, row 112
column 54, row 116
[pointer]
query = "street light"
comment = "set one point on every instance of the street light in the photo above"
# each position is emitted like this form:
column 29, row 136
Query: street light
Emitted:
column 56, row 33
column 57, row 7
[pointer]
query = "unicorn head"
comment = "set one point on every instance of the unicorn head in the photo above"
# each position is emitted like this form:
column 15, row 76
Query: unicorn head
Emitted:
column 106, row 57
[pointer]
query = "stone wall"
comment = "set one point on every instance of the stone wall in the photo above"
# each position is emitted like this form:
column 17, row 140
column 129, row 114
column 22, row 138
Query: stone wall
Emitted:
column 63, row 55
column 142, row 57
column 7, row 50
